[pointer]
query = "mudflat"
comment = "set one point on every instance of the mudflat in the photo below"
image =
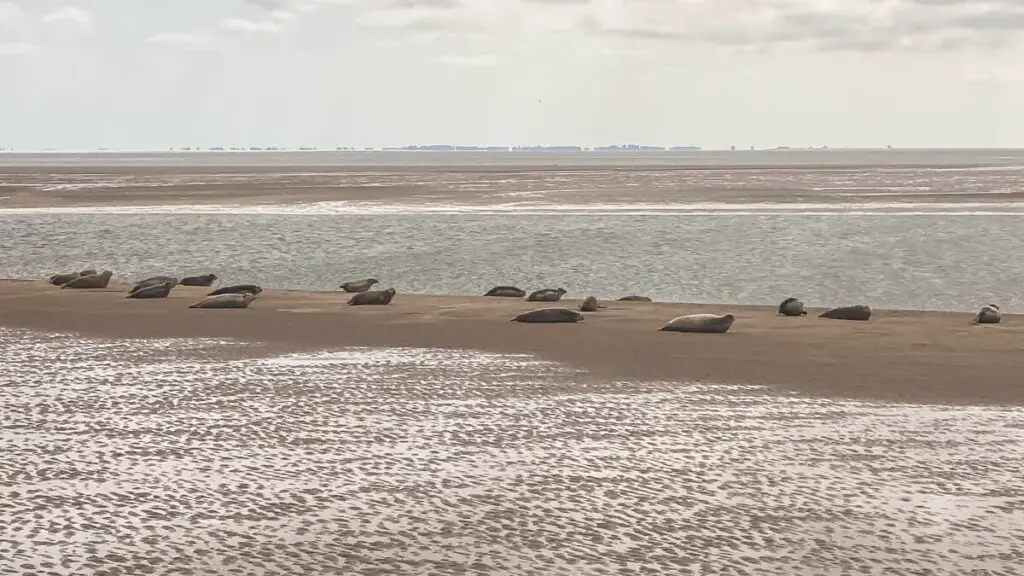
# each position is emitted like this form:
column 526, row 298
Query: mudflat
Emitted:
column 909, row 356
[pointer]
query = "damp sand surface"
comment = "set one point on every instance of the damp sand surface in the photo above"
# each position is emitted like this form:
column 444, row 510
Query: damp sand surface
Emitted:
column 932, row 357
column 214, row 456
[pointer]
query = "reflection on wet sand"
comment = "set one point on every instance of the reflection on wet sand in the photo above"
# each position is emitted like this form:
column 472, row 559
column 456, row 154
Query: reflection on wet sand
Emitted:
column 162, row 457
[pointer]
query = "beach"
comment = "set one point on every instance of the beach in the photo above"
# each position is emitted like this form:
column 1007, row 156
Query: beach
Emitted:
column 930, row 357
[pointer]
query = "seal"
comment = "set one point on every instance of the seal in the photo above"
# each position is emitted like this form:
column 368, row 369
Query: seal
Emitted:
column 204, row 280
column 989, row 315
column 506, row 292
column 860, row 312
column 237, row 289
column 792, row 307
column 546, row 295
column 152, row 291
column 549, row 316
column 634, row 299
column 90, row 281
column 153, row 281
column 589, row 304
column 700, row 323
column 232, row 300
column 359, row 285
column 372, row 297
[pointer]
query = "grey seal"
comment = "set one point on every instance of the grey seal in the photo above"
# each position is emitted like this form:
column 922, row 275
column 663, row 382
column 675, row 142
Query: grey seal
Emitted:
column 152, row 291
column 699, row 323
column 506, row 292
column 989, row 315
column 231, row 300
column 549, row 316
column 589, row 304
column 359, row 285
column 90, row 281
column 860, row 312
column 634, row 298
column 237, row 289
column 65, row 277
column 204, row 280
column 153, row 281
column 546, row 295
column 792, row 307
column 372, row 297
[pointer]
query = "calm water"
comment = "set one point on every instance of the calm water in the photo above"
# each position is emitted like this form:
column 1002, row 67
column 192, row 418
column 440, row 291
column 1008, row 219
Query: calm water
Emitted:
column 917, row 262
column 158, row 457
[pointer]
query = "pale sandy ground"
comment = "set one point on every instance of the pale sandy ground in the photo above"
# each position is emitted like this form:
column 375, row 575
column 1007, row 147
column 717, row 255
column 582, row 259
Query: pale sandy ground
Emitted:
column 899, row 355
column 23, row 187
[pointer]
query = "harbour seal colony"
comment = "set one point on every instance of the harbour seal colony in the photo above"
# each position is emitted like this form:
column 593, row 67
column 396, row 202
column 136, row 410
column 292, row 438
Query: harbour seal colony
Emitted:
column 589, row 304
column 232, row 300
column 634, row 298
column 506, row 292
column 549, row 316
column 237, row 289
column 372, row 297
column 151, row 291
column 203, row 280
column 699, row 323
column 359, row 285
column 90, row 281
column 860, row 312
column 65, row 277
column 989, row 315
column 792, row 307
column 546, row 295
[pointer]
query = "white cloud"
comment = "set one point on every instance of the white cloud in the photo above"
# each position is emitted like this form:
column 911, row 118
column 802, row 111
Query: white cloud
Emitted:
column 249, row 26
column 70, row 15
column 183, row 40
column 17, row 49
column 475, row 61
column 11, row 15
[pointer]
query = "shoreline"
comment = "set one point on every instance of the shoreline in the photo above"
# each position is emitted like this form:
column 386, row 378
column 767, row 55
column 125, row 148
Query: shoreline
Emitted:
column 927, row 357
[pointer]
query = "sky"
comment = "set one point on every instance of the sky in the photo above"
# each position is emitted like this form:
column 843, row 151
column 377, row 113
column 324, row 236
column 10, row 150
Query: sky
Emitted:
column 149, row 74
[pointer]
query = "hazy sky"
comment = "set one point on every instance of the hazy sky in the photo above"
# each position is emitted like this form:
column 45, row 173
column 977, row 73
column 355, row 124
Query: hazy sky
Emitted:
column 153, row 74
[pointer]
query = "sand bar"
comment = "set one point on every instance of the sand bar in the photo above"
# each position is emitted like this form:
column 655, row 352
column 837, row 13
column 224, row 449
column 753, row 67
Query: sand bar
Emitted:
column 930, row 357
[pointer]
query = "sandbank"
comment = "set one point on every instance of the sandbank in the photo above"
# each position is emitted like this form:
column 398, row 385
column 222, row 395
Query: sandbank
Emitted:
column 907, row 356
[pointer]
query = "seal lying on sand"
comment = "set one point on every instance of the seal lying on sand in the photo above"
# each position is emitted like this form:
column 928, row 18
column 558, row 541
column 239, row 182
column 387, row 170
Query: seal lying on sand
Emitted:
column 372, row 297
column 699, row 323
column 90, row 281
column 237, row 289
column 549, row 316
column 634, row 299
column 204, row 280
column 506, row 292
column 589, row 304
column 988, row 315
column 359, row 285
column 151, row 291
column 546, row 295
column 153, row 281
column 64, row 278
column 860, row 312
column 234, row 300
column 792, row 307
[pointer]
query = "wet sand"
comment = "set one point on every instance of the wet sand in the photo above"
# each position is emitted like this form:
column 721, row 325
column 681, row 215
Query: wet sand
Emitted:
column 928, row 357
column 82, row 186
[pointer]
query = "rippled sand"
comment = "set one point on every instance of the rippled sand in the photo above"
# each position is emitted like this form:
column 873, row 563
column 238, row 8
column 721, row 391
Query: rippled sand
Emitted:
column 159, row 457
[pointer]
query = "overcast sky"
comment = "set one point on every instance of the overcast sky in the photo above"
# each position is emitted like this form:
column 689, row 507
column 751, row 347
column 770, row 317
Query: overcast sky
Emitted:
column 144, row 74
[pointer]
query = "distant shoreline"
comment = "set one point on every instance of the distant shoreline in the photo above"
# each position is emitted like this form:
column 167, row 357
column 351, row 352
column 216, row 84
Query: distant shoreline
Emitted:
column 919, row 357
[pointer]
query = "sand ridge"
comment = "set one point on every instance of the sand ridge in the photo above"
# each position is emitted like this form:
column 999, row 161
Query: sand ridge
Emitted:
column 931, row 357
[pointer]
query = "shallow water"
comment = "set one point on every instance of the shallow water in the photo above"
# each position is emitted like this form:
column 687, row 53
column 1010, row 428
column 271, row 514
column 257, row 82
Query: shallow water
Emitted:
column 156, row 456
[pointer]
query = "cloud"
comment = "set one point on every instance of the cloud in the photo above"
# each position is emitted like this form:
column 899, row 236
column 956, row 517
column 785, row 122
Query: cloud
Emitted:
column 475, row 61
column 69, row 15
column 249, row 26
column 183, row 40
column 11, row 15
column 17, row 49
